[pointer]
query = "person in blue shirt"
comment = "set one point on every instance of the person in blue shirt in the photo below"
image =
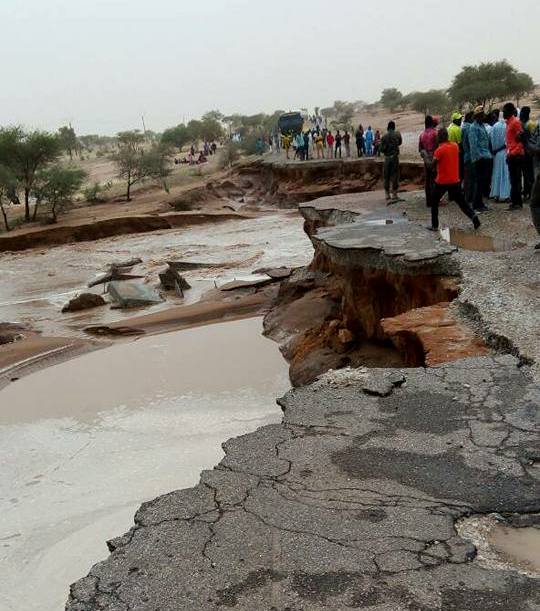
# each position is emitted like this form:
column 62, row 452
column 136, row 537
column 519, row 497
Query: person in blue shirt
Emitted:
column 368, row 140
column 468, row 182
column 480, row 158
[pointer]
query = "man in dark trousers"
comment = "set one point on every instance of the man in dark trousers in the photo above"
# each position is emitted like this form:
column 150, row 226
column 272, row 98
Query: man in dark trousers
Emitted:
column 338, row 144
column 480, row 158
column 427, row 144
column 390, row 143
column 446, row 161
column 515, row 154
column 528, row 160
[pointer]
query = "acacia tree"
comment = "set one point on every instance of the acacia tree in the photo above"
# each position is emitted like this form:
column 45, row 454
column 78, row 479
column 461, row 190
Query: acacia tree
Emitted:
column 213, row 115
column 68, row 140
column 343, row 113
column 434, row 101
column 176, row 136
column 56, row 187
column 520, row 84
column 487, row 82
column 135, row 164
column 391, row 99
column 25, row 153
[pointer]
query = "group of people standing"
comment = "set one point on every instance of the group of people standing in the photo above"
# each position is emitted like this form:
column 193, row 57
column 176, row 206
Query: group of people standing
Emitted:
column 497, row 155
column 321, row 143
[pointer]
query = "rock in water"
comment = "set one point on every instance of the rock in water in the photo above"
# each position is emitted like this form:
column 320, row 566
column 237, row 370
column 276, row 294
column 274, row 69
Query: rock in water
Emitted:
column 84, row 301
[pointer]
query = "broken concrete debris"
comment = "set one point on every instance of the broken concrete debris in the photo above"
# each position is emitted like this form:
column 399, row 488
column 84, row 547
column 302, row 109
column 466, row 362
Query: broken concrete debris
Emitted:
column 172, row 280
column 125, row 264
column 118, row 270
column 132, row 294
column 245, row 284
column 114, row 275
column 184, row 266
column 276, row 273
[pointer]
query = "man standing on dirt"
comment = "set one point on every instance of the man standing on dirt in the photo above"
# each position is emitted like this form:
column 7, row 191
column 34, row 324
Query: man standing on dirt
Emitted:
column 319, row 140
column 347, row 142
column 286, row 140
column 330, row 144
column 359, row 137
column 307, row 136
column 455, row 135
column 338, row 144
column 426, row 147
column 468, row 178
column 446, row 162
column 390, row 143
column 454, row 130
column 515, row 154
column 528, row 161
column 480, row 157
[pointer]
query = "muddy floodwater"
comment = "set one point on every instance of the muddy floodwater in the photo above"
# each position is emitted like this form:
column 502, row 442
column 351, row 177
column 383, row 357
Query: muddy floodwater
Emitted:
column 35, row 284
column 85, row 442
column 520, row 546
column 471, row 240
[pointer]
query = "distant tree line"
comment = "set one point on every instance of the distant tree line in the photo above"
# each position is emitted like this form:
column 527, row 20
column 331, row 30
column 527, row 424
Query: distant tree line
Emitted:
column 483, row 84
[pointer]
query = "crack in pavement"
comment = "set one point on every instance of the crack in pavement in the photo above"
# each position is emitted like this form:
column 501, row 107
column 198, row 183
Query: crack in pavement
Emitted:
column 352, row 501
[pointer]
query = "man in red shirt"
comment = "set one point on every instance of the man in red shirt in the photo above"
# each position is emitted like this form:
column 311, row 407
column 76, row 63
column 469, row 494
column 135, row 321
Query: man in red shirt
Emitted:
column 330, row 144
column 515, row 154
column 446, row 160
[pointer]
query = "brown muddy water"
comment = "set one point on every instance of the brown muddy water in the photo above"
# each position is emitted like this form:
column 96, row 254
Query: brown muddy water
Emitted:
column 500, row 546
column 83, row 443
column 35, row 284
column 520, row 546
column 471, row 240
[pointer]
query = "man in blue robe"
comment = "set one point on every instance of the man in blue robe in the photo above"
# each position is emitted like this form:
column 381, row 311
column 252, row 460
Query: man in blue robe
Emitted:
column 500, row 180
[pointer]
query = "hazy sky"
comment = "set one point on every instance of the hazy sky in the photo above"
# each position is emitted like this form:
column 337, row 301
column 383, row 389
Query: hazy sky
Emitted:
column 102, row 63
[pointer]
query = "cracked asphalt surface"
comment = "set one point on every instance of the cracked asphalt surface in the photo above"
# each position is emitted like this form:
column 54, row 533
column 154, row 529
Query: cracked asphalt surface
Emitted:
column 350, row 503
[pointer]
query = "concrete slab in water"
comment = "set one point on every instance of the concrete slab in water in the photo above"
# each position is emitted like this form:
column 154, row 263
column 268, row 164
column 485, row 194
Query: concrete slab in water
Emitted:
column 132, row 294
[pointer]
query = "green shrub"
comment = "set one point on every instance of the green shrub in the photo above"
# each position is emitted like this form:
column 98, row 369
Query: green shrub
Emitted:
column 229, row 154
column 92, row 192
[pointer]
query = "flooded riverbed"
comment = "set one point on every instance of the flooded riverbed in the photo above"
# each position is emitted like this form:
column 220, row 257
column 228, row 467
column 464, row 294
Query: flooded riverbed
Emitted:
column 85, row 442
column 35, row 284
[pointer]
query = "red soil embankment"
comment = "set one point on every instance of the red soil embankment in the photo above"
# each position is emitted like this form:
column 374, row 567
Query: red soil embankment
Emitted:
column 105, row 228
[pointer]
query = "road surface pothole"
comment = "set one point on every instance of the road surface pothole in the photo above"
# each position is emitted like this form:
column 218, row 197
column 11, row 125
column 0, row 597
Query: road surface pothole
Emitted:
column 469, row 240
column 502, row 546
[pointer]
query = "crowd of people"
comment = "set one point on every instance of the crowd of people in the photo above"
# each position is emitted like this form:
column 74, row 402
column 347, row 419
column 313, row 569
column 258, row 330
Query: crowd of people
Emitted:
column 320, row 143
column 196, row 157
column 480, row 156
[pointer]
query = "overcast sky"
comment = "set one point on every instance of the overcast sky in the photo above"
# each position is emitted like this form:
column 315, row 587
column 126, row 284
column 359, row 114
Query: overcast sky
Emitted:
column 102, row 63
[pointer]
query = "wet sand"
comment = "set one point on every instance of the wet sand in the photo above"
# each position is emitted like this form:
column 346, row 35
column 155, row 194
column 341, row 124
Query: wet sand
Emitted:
column 86, row 441
column 35, row 352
